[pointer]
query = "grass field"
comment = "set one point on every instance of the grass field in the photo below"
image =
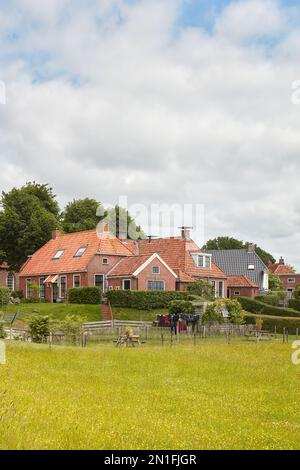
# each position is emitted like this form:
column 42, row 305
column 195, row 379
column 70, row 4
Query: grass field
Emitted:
column 212, row 396
column 57, row 311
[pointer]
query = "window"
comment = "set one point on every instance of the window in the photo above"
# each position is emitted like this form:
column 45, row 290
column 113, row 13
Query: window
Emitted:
column 237, row 293
column 76, row 281
column 80, row 252
column 58, row 254
column 28, row 289
column 63, row 287
column 204, row 261
column 156, row 270
column 290, row 290
column 156, row 285
column 220, row 293
column 42, row 287
column 10, row 282
column 126, row 284
column 105, row 261
column 213, row 283
column 99, row 281
column 251, row 267
column 291, row 280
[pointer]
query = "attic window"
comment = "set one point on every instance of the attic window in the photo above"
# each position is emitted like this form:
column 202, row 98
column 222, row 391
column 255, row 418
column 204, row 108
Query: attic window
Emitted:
column 58, row 254
column 251, row 267
column 105, row 261
column 156, row 270
column 80, row 252
column 204, row 261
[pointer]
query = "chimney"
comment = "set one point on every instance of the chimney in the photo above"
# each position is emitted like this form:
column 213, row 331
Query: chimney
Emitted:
column 281, row 261
column 251, row 248
column 56, row 234
column 185, row 233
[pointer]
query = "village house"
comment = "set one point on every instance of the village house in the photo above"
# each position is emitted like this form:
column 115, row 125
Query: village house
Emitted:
column 103, row 260
column 246, row 263
column 289, row 278
column 8, row 278
column 241, row 286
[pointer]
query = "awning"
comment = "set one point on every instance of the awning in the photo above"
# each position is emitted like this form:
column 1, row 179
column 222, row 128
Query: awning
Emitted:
column 51, row 279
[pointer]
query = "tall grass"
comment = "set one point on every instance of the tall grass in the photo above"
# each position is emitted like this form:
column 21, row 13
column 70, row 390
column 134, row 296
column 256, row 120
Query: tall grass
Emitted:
column 212, row 396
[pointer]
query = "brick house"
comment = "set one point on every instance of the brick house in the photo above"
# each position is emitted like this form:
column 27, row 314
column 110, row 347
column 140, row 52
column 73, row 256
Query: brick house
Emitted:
column 241, row 286
column 103, row 260
column 287, row 275
column 8, row 278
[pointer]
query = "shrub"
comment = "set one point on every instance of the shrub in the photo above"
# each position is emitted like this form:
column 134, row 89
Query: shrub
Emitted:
column 39, row 328
column 181, row 306
column 71, row 326
column 255, row 306
column 145, row 300
column 297, row 292
column 214, row 312
column 202, row 289
column 294, row 304
column 17, row 294
column 85, row 295
column 4, row 296
column 269, row 323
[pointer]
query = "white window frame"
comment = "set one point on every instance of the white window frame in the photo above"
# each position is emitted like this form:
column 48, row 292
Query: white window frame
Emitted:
column 44, row 287
column 291, row 280
column 80, row 252
column 76, row 275
column 214, row 284
column 123, row 283
column 237, row 293
column 11, row 276
column 223, row 290
column 57, row 255
column 103, row 278
column 28, row 281
column 156, row 267
column 66, row 284
column 205, row 257
column 105, row 259
column 155, row 280
column 290, row 289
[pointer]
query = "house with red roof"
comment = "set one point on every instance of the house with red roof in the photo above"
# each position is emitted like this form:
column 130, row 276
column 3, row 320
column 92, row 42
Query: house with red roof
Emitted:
column 289, row 278
column 241, row 286
column 8, row 278
column 98, row 258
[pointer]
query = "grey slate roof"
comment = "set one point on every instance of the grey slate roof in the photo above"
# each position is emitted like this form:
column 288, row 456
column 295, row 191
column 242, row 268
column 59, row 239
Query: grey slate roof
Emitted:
column 236, row 262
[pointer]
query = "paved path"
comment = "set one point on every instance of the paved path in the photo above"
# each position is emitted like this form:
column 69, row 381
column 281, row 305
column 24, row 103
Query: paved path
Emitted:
column 106, row 312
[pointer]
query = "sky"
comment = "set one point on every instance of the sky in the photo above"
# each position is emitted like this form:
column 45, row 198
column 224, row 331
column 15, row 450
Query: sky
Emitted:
column 165, row 102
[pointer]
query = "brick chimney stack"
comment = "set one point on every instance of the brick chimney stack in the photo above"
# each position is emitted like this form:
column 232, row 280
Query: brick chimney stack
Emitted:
column 185, row 233
column 281, row 261
column 251, row 248
column 56, row 234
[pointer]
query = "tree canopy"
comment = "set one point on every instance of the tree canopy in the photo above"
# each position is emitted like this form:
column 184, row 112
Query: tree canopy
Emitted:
column 80, row 214
column 230, row 243
column 28, row 216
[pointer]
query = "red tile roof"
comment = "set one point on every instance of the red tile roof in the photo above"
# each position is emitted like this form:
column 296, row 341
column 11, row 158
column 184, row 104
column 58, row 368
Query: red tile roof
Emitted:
column 42, row 261
column 4, row 266
column 128, row 265
column 241, row 281
column 279, row 268
column 177, row 253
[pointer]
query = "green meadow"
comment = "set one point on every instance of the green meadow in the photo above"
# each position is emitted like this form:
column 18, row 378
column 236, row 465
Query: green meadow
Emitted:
column 210, row 396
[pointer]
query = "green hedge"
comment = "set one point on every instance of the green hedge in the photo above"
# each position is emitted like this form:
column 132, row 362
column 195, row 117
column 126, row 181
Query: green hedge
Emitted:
column 85, row 295
column 269, row 323
column 145, row 300
column 255, row 306
column 269, row 299
column 294, row 304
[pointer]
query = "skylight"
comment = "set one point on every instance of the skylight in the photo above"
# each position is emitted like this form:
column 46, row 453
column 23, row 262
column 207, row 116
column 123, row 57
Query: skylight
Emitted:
column 58, row 254
column 80, row 252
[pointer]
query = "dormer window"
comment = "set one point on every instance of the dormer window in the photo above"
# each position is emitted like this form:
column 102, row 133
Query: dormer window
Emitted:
column 80, row 252
column 58, row 254
column 204, row 261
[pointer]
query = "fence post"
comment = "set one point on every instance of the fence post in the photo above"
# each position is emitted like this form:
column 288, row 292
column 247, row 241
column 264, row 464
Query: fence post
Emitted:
column 283, row 335
column 297, row 333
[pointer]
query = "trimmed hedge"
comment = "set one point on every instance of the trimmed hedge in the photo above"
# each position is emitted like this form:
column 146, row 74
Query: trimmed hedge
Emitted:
column 85, row 295
column 270, row 323
column 294, row 304
column 255, row 306
column 145, row 300
column 269, row 299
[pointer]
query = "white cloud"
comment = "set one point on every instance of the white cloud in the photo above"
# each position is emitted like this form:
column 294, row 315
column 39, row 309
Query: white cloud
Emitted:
column 137, row 107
